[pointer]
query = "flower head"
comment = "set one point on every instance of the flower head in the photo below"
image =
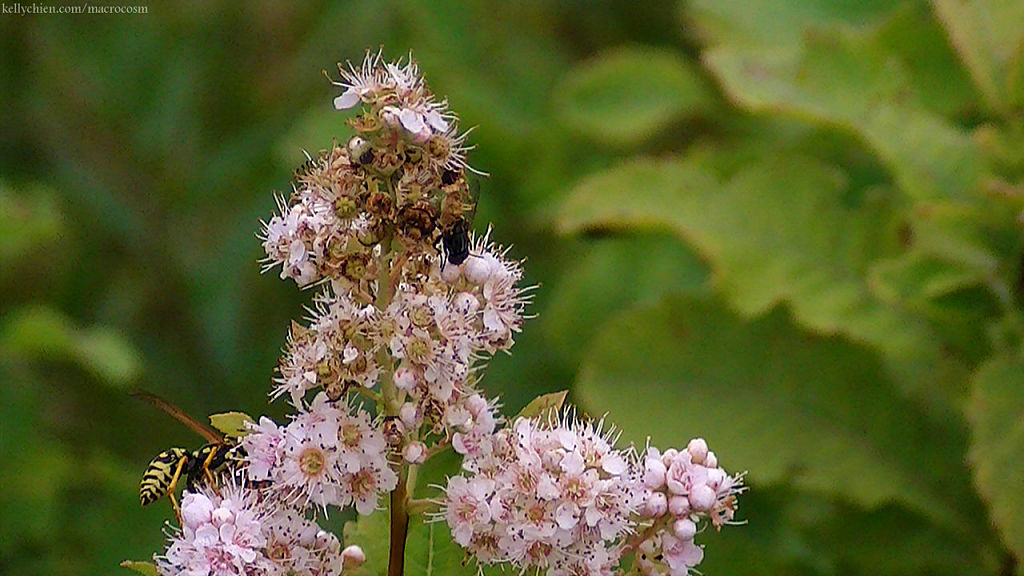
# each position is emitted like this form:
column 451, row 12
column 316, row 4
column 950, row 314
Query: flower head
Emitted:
column 220, row 534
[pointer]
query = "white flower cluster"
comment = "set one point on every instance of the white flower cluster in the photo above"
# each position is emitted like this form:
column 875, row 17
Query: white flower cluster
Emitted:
column 233, row 532
column 559, row 499
column 329, row 455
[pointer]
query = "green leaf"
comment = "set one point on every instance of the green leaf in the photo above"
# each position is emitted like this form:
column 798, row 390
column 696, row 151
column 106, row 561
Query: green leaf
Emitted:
column 989, row 38
column 543, row 407
column 855, row 82
column 44, row 333
column 429, row 549
column 107, row 354
column 776, row 22
column 782, row 229
column 625, row 96
column 917, row 276
column 787, row 405
column 914, row 36
column 144, row 568
column 232, row 424
column 997, row 445
column 611, row 274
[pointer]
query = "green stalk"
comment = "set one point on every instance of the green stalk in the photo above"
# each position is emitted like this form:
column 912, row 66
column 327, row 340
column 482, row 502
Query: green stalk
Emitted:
column 390, row 398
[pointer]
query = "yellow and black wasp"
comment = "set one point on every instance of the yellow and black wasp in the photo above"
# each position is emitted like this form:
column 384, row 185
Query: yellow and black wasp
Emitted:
column 161, row 478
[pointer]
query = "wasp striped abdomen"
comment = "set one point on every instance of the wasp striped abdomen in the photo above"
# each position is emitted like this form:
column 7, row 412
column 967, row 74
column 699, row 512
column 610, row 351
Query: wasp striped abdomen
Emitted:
column 162, row 474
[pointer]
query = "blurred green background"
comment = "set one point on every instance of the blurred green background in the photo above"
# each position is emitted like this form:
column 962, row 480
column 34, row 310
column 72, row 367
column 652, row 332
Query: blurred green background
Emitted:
column 791, row 227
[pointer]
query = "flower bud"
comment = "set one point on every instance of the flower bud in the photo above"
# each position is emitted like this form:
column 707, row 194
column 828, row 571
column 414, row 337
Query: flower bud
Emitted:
column 477, row 270
column 451, row 272
column 196, row 509
column 711, row 461
column 656, row 505
column 684, row 529
column 702, row 497
column 679, row 506
column 410, row 416
column 698, row 450
column 405, row 379
column 352, row 557
column 654, row 473
column 414, row 452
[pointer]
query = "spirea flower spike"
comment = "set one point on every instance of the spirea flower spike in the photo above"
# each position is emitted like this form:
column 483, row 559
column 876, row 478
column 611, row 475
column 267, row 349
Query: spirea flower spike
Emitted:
column 382, row 374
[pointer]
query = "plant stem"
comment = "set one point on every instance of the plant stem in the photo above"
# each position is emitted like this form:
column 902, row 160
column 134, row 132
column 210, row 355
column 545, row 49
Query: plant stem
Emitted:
column 389, row 395
column 399, row 526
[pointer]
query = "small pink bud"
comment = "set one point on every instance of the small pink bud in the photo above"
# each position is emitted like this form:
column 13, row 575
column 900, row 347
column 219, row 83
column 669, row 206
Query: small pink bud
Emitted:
column 716, row 477
column 684, row 529
column 698, row 450
column 477, row 270
column 352, row 557
column 711, row 461
column 654, row 474
column 656, row 505
column 450, row 273
column 414, row 452
column 405, row 378
column 410, row 416
column 702, row 497
column 476, row 404
column 679, row 506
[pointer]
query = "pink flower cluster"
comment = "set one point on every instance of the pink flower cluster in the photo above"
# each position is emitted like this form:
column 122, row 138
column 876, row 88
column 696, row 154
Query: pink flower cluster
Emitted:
column 559, row 498
column 554, row 498
column 330, row 454
column 680, row 487
column 438, row 327
column 233, row 532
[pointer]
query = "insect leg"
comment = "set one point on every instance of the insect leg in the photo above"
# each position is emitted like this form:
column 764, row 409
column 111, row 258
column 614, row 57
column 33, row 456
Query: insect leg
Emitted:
column 173, row 483
column 206, row 468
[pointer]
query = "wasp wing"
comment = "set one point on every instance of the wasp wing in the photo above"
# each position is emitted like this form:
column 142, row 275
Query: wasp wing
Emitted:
column 202, row 429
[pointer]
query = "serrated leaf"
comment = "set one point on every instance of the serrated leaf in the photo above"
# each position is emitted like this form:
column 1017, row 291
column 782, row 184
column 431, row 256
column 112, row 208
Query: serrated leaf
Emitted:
column 232, row 424
column 786, row 405
column 144, row 568
column 776, row 22
column 781, row 229
column 429, row 549
column 997, row 445
column 854, row 81
column 543, row 407
column 989, row 37
column 917, row 276
column 913, row 34
column 624, row 96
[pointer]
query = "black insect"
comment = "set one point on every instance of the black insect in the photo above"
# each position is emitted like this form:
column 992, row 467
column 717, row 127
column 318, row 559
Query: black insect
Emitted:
column 455, row 241
column 449, row 177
